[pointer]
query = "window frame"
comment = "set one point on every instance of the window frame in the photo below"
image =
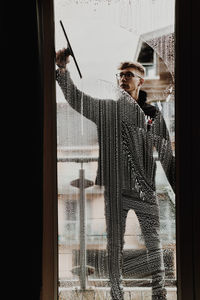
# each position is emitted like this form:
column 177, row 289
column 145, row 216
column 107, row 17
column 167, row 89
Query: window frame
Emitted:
column 187, row 150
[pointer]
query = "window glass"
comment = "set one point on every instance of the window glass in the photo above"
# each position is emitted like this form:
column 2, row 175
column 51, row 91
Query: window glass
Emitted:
column 103, row 34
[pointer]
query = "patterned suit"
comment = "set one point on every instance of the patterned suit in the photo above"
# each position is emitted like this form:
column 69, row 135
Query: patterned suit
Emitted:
column 126, row 168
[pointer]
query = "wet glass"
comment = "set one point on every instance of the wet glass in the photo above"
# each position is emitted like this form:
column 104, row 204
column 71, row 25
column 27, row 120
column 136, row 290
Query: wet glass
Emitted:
column 103, row 34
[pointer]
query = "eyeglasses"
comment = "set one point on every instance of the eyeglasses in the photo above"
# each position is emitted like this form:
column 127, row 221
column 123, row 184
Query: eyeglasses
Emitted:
column 127, row 75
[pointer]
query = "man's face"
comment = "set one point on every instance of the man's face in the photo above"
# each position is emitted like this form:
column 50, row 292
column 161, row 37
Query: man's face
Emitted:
column 128, row 82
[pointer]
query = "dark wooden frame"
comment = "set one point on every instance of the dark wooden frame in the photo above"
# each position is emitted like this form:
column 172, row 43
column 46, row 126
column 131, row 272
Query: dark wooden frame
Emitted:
column 187, row 151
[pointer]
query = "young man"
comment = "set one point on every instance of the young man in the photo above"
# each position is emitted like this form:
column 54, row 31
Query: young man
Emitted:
column 126, row 167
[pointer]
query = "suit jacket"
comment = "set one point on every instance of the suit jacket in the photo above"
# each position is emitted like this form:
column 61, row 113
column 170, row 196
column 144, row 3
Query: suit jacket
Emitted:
column 122, row 129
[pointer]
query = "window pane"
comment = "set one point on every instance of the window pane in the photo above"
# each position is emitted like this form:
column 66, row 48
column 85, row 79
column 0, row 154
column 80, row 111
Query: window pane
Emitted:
column 103, row 34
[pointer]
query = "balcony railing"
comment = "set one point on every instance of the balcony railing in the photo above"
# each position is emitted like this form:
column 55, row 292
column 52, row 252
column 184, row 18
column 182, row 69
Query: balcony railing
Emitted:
column 80, row 232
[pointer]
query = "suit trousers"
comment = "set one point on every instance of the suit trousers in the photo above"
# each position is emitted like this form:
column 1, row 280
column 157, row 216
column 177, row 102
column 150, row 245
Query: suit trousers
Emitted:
column 149, row 220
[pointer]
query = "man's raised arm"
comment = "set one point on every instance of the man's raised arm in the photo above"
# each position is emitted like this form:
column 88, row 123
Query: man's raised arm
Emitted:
column 78, row 100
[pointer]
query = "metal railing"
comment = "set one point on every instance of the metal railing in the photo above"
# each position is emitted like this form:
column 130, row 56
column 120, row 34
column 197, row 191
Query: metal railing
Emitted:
column 82, row 184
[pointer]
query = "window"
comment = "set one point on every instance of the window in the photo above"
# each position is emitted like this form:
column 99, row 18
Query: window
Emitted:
column 147, row 58
column 78, row 147
column 187, row 181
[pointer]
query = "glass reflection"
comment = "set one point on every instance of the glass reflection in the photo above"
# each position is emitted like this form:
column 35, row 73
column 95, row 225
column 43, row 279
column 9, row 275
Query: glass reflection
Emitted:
column 97, row 135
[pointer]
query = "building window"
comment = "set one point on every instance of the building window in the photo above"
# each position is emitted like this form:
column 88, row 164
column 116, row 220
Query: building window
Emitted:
column 147, row 57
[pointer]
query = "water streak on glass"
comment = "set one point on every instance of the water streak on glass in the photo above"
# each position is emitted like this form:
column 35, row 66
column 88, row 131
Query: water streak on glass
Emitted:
column 107, row 241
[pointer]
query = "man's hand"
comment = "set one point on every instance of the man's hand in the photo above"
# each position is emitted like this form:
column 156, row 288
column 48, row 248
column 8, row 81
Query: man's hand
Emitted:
column 62, row 58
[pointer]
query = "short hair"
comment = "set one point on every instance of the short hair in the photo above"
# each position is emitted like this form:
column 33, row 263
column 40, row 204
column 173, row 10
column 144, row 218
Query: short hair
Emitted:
column 131, row 64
